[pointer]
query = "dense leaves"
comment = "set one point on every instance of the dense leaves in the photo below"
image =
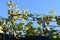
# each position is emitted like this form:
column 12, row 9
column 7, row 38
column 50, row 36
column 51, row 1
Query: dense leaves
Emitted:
column 58, row 20
column 29, row 24
column 11, row 25
column 47, row 19
column 20, row 26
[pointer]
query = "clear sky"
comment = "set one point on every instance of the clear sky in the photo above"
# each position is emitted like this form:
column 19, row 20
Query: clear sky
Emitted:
column 42, row 6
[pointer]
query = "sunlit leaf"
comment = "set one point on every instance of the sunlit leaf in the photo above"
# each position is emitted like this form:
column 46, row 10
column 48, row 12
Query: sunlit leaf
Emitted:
column 1, row 28
column 54, row 36
column 1, row 31
column 9, row 3
column 4, row 24
column 17, row 12
column 26, row 28
column 26, row 11
column 24, row 17
column 52, row 11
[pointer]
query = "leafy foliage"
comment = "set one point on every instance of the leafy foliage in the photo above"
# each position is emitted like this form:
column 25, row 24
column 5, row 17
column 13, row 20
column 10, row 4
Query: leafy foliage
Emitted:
column 58, row 20
column 10, row 24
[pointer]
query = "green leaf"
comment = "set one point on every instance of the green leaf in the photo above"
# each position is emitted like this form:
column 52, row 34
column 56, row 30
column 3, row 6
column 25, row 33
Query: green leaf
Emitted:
column 13, row 21
column 51, row 11
column 29, row 24
column 39, row 22
column 39, row 19
column 47, row 22
column 58, row 20
column 28, row 15
column 25, row 17
column 38, row 28
column 31, row 28
column 17, row 12
column 55, row 36
column 26, row 11
column 20, row 26
column 30, row 31
column 8, row 11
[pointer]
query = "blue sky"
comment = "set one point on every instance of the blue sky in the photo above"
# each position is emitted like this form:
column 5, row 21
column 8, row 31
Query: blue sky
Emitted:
column 42, row 6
